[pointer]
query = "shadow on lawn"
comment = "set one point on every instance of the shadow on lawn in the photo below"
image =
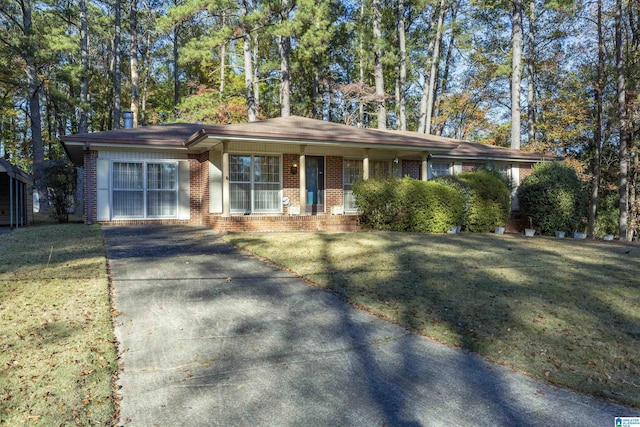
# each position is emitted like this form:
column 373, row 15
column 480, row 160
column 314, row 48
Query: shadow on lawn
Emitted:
column 220, row 338
column 512, row 310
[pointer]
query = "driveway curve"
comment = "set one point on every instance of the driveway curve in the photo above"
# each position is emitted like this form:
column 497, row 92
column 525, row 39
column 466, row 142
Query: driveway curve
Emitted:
column 211, row 336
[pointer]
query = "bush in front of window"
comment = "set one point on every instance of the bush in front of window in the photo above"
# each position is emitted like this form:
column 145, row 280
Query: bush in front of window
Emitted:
column 554, row 198
column 378, row 201
column 408, row 205
column 431, row 207
column 490, row 200
column 465, row 191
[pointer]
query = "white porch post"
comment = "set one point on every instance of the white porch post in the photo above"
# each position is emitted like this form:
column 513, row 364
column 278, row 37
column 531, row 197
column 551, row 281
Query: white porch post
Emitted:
column 302, row 170
column 424, row 173
column 365, row 165
column 226, row 211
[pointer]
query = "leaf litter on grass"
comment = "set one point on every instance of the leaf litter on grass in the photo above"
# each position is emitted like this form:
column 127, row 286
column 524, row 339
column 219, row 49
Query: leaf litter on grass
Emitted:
column 58, row 354
column 560, row 310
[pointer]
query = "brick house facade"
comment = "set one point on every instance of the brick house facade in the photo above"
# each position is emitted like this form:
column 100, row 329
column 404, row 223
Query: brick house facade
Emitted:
column 280, row 174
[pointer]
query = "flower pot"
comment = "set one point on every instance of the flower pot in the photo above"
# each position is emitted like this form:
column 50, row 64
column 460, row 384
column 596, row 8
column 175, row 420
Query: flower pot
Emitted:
column 529, row 232
column 560, row 234
column 608, row 237
column 499, row 230
column 577, row 235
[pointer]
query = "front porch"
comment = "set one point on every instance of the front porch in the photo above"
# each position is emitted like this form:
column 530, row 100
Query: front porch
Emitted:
column 281, row 223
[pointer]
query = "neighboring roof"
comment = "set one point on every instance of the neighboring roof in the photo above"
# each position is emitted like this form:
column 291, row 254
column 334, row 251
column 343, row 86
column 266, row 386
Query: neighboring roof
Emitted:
column 15, row 172
column 293, row 129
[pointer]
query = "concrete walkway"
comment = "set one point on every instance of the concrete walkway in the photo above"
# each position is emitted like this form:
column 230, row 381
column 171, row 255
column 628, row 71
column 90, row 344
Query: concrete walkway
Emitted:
column 211, row 336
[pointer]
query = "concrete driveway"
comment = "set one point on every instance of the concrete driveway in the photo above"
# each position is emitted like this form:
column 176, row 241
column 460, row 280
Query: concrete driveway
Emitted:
column 211, row 336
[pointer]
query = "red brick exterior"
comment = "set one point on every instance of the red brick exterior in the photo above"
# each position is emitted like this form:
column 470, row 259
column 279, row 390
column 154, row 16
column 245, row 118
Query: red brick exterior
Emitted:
column 525, row 170
column 240, row 223
column 468, row 167
column 412, row 168
column 199, row 193
column 333, row 182
column 290, row 181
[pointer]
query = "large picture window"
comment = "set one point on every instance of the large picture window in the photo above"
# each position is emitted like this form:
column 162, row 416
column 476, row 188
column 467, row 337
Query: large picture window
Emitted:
column 352, row 173
column 145, row 190
column 254, row 183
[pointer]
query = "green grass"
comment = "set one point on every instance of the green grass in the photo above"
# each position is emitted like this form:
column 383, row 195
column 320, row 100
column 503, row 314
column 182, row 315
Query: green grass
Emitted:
column 57, row 345
column 565, row 311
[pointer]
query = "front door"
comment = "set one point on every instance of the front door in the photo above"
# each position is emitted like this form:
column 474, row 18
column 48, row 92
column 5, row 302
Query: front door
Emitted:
column 315, row 184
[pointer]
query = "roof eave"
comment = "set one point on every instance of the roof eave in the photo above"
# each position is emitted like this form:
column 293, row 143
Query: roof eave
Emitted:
column 319, row 142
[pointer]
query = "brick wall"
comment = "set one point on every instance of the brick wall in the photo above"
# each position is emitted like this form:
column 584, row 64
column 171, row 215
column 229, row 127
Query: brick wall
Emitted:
column 278, row 223
column 468, row 167
column 413, row 168
column 90, row 211
column 291, row 182
column 525, row 170
column 199, row 191
column 333, row 182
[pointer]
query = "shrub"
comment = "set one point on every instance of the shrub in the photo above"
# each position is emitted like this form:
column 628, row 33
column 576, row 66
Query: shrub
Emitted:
column 465, row 191
column 408, row 205
column 59, row 179
column 554, row 198
column 377, row 201
column 490, row 200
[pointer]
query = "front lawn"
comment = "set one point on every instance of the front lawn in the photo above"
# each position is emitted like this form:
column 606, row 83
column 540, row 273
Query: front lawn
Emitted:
column 58, row 356
column 566, row 311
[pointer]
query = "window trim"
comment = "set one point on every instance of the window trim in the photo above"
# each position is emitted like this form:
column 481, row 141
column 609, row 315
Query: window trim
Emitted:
column 253, row 182
column 344, row 181
column 145, row 189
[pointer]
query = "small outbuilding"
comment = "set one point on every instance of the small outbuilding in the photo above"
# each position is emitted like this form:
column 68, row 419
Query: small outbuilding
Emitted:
column 16, row 196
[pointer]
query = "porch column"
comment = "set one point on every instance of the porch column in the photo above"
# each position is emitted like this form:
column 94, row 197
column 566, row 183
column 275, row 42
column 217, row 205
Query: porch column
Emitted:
column 424, row 173
column 365, row 165
column 302, row 170
column 226, row 211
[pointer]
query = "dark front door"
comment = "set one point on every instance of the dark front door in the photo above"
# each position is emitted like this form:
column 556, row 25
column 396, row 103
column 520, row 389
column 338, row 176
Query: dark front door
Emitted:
column 315, row 183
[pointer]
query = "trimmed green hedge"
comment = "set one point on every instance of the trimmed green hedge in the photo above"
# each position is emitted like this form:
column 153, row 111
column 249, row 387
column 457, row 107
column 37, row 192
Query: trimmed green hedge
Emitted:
column 490, row 200
column 554, row 198
column 408, row 205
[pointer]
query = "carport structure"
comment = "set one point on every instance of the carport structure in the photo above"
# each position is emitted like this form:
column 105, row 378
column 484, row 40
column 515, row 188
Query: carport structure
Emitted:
column 16, row 199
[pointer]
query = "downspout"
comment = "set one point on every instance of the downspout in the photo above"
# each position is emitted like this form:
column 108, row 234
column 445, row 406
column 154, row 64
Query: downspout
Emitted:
column 87, row 188
column 10, row 201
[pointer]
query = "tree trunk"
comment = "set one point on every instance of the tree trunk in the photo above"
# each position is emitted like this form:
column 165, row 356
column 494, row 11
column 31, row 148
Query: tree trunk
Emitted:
column 597, row 132
column 284, row 48
column 447, row 65
column 377, row 64
column 360, row 104
column 516, row 60
column 145, row 80
column 531, row 89
column 622, row 113
column 435, row 59
column 84, row 61
column 176, row 72
column 402, row 115
column 223, row 58
column 425, row 86
column 117, row 79
column 133, row 53
column 248, row 77
column 33, row 88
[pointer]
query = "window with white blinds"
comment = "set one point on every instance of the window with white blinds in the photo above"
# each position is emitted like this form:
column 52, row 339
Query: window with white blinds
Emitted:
column 352, row 170
column 145, row 190
column 254, row 183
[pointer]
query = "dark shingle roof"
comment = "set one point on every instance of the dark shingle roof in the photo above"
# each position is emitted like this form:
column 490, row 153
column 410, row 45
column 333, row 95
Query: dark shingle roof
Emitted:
column 285, row 129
